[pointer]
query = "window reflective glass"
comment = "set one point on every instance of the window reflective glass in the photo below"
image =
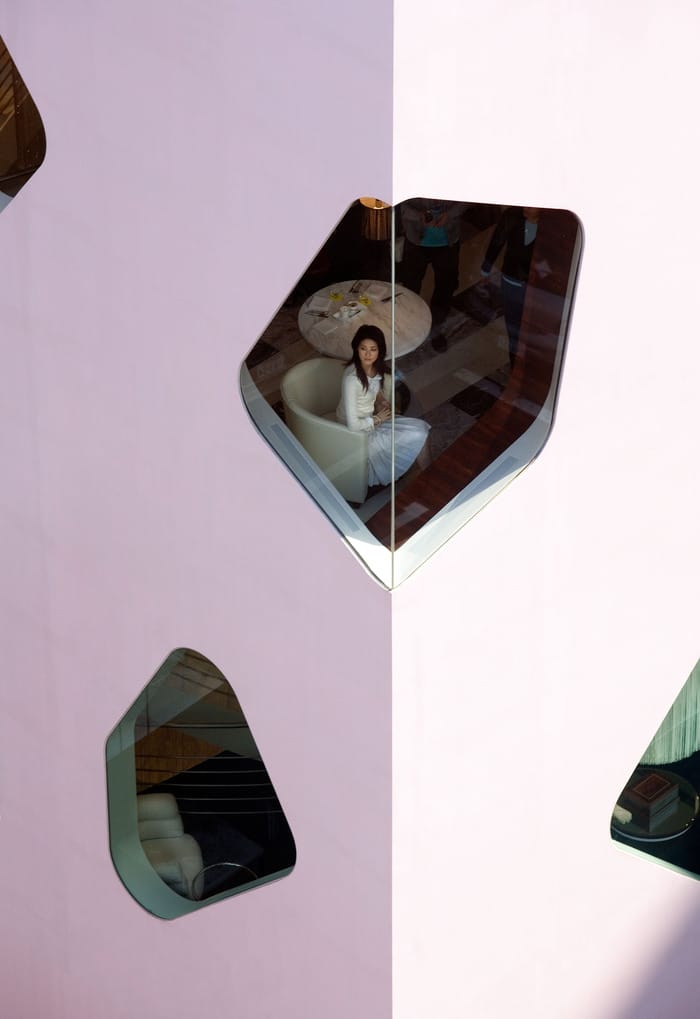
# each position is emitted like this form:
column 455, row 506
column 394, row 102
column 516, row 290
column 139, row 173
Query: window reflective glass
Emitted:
column 462, row 310
column 22, row 136
column 656, row 812
column 193, row 814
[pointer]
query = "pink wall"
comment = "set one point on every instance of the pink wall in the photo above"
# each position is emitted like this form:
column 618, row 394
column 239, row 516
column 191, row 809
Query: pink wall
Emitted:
column 196, row 160
column 197, row 156
column 536, row 654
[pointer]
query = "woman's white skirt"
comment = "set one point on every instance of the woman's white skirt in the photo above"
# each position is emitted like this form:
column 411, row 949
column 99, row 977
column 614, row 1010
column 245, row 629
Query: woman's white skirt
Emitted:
column 409, row 438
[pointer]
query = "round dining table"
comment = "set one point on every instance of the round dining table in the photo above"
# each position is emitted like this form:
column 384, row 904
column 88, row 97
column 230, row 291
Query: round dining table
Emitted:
column 330, row 318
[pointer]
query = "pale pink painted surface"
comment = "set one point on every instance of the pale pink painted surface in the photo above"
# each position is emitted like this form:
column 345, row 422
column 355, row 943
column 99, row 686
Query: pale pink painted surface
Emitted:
column 536, row 654
column 129, row 533
column 193, row 169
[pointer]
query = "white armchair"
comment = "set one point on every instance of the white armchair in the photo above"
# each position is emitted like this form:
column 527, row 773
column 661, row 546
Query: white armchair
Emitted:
column 311, row 393
column 175, row 856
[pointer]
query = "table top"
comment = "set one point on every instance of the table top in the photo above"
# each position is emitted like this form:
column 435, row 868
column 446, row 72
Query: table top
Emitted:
column 330, row 318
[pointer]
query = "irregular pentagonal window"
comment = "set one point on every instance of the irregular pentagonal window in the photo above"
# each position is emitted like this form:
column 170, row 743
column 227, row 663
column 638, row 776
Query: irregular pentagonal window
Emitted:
column 657, row 810
column 22, row 137
column 193, row 814
column 412, row 371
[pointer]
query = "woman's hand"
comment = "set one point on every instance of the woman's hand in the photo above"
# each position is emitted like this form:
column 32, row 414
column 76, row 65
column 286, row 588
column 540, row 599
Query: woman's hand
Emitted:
column 382, row 409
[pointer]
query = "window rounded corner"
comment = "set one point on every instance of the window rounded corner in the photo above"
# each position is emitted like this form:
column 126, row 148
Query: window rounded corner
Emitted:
column 193, row 815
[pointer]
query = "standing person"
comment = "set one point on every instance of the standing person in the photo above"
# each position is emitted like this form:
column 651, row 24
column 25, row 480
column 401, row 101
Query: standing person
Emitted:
column 365, row 406
column 515, row 231
column 432, row 230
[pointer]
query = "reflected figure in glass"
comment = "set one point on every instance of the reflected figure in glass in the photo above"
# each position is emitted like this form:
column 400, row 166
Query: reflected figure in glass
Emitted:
column 515, row 236
column 432, row 231
column 365, row 405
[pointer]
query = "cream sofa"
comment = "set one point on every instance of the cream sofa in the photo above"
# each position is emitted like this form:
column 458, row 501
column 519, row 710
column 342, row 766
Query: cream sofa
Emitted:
column 311, row 393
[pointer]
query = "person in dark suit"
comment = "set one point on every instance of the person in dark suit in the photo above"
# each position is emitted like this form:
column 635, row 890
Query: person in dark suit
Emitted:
column 515, row 235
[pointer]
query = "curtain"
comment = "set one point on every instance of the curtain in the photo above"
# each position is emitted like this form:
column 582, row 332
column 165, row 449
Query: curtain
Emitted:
column 678, row 735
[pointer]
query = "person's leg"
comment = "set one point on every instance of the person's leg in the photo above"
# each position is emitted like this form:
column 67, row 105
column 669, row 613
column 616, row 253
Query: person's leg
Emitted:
column 411, row 269
column 424, row 458
column 446, row 268
column 410, row 438
column 445, row 263
column 513, row 302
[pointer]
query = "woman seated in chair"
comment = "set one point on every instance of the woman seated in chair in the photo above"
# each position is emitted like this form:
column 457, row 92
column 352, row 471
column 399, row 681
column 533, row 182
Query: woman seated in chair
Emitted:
column 365, row 406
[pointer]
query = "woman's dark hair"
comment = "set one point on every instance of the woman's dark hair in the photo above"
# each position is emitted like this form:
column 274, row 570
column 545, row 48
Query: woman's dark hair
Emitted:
column 369, row 333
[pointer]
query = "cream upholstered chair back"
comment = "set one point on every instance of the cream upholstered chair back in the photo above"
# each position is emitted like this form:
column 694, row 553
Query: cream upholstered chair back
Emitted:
column 311, row 393
column 175, row 856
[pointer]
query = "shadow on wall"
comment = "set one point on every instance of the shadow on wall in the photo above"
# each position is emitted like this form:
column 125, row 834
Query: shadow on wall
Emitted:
column 670, row 989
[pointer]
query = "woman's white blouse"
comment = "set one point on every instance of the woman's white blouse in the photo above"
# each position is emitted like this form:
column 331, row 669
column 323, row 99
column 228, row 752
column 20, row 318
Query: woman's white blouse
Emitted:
column 356, row 407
